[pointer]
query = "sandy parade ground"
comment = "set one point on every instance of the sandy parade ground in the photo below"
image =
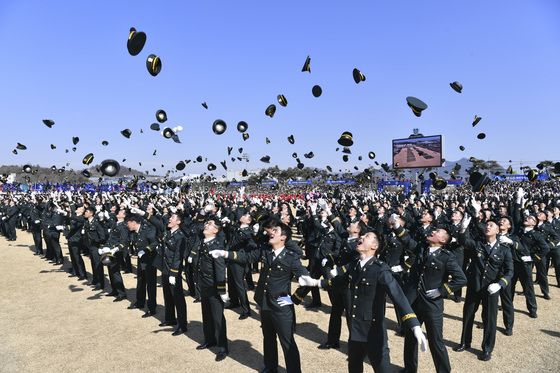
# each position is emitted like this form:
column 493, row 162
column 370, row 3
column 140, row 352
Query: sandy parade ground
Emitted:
column 52, row 323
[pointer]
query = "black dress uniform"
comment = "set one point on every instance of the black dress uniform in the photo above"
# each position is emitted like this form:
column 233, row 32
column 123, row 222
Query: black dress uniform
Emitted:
column 172, row 252
column 522, row 268
column 457, row 249
column 488, row 264
column 429, row 271
column 118, row 239
column 274, row 282
column 541, row 263
column 94, row 237
column 145, row 240
column 52, row 234
column 368, row 287
column 241, row 239
column 338, row 294
column 328, row 244
column 74, row 238
column 212, row 278
column 34, row 217
column 10, row 219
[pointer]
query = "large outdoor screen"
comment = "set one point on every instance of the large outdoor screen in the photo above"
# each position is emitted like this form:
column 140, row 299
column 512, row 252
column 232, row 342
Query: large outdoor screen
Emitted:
column 417, row 152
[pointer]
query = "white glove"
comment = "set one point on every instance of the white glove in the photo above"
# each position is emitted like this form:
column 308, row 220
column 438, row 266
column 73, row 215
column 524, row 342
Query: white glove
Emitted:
column 313, row 206
column 397, row 269
column 224, row 297
column 189, row 259
column 256, row 228
column 477, row 206
column 324, row 262
column 4, row 218
column 114, row 250
column 63, row 213
column 422, row 342
column 218, row 254
column 137, row 211
column 100, row 251
column 225, row 220
column 433, row 293
column 494, row 288
column 453, row 240
column 59, row 227
column 285, row 301
column 519, row 195
column 505, row 240
column 173, row 209
column 333, row 272
column 172, row 280
column 308, row 281
column 100, row 215
column 37, row 221
column 106, row 215
column 527, row 258
column 465, row 223
column 141, row 253
column 98, row 208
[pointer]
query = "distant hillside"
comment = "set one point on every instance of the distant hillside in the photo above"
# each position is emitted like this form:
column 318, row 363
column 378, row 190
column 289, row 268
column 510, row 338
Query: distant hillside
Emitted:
column 41, row 174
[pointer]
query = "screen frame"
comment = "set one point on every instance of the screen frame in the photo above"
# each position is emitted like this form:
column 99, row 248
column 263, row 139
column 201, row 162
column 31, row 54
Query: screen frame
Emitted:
column 440, row 164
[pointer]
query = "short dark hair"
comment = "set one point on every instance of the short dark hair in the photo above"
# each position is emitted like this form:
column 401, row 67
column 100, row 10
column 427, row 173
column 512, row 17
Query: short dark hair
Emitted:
column 134, row 217
column 285, row 230
column 90, row 208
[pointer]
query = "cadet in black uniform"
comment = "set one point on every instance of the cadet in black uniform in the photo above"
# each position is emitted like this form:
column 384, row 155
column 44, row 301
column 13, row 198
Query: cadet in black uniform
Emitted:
column 338, row 293
column 241, row 239
column 272, row 295
column 427, row 284
column 74, row 238
column 34, row 216
column 369, row 281
column 94, row 236
column 212, row 277
column 143, row 239
column 117, row 243
column 490, row 270
column 172, row 251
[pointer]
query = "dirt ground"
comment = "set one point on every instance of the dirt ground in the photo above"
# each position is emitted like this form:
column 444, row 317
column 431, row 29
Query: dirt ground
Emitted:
column 52, row 323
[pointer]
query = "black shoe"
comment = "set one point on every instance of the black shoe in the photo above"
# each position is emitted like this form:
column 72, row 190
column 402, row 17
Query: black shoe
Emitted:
column 232, row 306
column 244, row 316
column 197, row 300
column 327, row 346
column 119, row 298
column 168, row 323
column 71, row 275
column 97, row 287
column 82, row 278
column 461, row 347
column 546, row 296
column 313, row 305
column 221, row 355
column 134, row 306
column 508, row 331
column 485, row 356
column 205, row 346
column 533, row 314
column 112, row 294
column 457, row 299
column 179, row 331
column 148, row 314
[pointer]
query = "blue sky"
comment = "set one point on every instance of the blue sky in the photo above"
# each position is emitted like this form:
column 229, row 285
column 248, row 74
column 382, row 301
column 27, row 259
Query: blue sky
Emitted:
column 67, row 60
